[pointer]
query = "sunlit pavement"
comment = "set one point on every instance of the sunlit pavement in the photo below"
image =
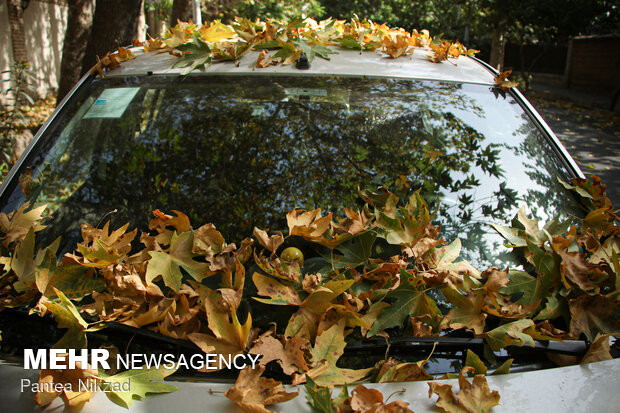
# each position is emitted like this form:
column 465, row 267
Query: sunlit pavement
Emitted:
column 592, row 137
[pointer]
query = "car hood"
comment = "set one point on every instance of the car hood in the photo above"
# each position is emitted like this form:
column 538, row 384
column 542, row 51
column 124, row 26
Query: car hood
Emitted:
column 580, row 388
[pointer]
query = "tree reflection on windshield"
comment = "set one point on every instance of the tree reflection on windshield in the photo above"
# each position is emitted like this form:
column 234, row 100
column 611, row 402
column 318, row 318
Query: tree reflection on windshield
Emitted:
column 242, row 151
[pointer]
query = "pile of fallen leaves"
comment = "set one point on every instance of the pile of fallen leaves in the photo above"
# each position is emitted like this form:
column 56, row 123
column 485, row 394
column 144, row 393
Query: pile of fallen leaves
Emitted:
column 199, row 46
column 570, row 291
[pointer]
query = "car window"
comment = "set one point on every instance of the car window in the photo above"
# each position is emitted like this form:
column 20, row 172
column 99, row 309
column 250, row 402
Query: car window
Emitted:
column 242, row 151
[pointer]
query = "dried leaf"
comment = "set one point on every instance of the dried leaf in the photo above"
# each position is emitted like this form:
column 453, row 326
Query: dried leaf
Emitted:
column 502, row 82
column 474, row 397
column 252, row 392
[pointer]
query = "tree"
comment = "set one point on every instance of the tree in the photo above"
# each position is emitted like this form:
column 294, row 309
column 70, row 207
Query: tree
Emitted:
column 115, row 23
column 79, row 22
column 16, row 21
column 181, row 10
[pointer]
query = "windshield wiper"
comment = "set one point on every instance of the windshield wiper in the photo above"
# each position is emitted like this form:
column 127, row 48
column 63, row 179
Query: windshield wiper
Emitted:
column 446, row 343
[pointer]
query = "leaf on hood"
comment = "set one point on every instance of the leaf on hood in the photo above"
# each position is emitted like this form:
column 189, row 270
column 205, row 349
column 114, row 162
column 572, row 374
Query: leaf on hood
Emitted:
column 466, row 311
column 142, row 382
column 510, row 334
column 269, row 242
column 169, row 264
column 599, row 350
column 367, row 400
column 398, row 372
column 314, row 306
column 229, row 336
column 593, row 314
column 278, row 293
column 575, row 268
column 474, row 397
column 290, row 353
column 501, row 81
column 308, row 223
column 75, row 281
column 409, row 301
column 67, row 316
column 252, row 392
column 76, row 379
column 328, row 348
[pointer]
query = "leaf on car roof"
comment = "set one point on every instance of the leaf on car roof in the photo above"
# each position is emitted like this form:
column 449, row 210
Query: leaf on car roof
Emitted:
column 501, row 81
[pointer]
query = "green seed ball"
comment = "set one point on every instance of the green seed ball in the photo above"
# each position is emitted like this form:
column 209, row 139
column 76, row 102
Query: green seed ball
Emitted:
column 291, row 254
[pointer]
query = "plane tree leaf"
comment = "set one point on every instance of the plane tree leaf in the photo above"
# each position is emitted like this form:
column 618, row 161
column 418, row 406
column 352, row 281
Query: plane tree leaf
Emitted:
column 252, row 392
column 141, row 383
column 67, row 316
column 169, row 264
column 409, row 300
column 473, row 397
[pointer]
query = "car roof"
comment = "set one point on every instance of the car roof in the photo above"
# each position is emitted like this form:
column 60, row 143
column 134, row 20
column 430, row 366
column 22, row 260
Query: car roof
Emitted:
column 343, row 62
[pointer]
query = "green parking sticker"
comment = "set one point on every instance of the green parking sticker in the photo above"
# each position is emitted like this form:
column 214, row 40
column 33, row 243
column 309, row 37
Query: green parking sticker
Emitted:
column 112, row 103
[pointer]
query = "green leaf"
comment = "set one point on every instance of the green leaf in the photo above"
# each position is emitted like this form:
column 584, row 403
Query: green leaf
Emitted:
column 75, row 281
column 548, row 270
column 23, row 260
column 169, row 264
column 141, row 382
column 356, row 251
column 504, row 368
column 196, row 55
column 512, row 235
column 474, row 361
column 329, row 345
column 554, row 308
column 320, row 398
column 349, row 42
column 510, row 334
column 99, row 257
column 521, row 282
column 67, row 316
column 409, row 301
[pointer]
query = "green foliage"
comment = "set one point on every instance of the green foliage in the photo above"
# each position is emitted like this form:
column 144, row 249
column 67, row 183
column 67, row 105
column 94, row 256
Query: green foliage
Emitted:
column 142, row 382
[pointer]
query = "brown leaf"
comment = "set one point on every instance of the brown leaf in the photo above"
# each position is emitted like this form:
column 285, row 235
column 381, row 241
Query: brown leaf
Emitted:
column 593, row 314
column 474, row 397
column 599, row 350
column 263, row 61
column 269, row 242
column 252, row 392
column 16, row 224
column 291, row 355
column 404, row 372
column 575, row 268
column 208, row 240
column 366, row 400
column 502, row 82
column 399, row 46
column 308, row 223
column 71, row 378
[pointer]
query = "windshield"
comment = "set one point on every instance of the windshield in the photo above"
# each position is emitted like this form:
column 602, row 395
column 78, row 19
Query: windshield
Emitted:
column 241, row 152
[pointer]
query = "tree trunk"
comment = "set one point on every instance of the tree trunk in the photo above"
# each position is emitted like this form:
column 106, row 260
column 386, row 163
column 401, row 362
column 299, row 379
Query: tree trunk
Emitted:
column 181, row 10
column 498, row 43
column 79, row 22
column 115, row 23
column 16, row 21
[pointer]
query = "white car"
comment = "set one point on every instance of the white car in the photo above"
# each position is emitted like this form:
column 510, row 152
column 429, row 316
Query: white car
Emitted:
column 239, row 146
